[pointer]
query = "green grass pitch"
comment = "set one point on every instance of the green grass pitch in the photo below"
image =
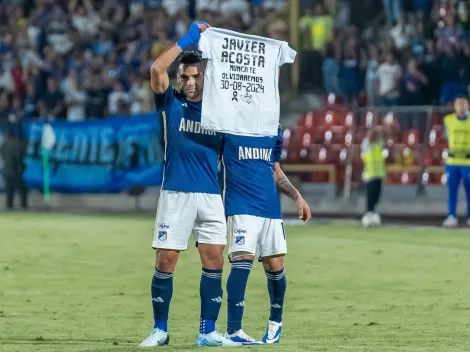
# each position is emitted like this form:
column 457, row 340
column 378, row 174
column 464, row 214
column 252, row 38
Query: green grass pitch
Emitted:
column 81, row 283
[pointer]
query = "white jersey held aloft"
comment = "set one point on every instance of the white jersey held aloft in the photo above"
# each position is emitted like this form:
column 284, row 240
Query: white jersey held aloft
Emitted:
column 241, row 93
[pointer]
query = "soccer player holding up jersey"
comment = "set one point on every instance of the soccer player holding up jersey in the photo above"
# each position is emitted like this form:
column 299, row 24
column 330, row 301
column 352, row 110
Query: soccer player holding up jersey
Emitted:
column 190, row 198
column 253, row 178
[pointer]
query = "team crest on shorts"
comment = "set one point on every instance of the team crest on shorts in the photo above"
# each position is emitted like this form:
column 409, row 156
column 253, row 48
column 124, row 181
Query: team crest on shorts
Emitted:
column 161, row 235
column 240, row 240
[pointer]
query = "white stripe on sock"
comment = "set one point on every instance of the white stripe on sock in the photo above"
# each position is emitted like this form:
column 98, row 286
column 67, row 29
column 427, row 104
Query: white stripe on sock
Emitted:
column 212, row 275
column 161, row 275
column 242, row 266
column 275, row 277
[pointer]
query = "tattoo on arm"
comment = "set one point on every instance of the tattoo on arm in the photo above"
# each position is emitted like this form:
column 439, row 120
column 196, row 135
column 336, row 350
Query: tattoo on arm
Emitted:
column 285, row 187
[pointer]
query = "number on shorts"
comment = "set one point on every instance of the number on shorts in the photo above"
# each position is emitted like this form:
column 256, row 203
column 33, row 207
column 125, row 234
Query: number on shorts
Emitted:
column 283, row 230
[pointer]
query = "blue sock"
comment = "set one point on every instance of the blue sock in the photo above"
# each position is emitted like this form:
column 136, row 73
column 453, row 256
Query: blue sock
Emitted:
column 453, row 183
column 211, row 299
column 236, row 286
column 162, row 290
column 277, row 285
column 466, row 183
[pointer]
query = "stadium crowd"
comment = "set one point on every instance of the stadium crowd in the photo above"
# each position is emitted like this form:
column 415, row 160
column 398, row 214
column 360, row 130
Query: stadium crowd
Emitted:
column 420, row 56
column 83, row 59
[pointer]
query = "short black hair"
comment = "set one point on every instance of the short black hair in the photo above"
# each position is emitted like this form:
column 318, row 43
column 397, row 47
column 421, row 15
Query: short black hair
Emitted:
column 461, row 95
column 190, row 57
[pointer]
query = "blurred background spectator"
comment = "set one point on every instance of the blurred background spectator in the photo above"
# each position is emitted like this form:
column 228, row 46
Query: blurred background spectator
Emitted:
column 412, row 52
column 82, row 59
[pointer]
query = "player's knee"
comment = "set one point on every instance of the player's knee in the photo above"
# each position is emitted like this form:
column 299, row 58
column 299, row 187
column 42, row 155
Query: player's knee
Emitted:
column 241, row 256
column 166, row 260
column 273, row 263
column 212, row 256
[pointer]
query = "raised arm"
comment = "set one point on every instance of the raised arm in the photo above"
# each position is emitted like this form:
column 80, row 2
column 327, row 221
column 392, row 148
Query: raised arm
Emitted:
column 285, row 187
column 158, row 72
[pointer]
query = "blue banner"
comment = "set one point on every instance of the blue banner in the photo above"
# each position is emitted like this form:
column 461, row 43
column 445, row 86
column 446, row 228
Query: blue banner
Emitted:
column 98, row 156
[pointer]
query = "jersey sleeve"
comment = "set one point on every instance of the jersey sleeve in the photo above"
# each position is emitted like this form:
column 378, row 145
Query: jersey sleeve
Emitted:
column 163, row 101
column 287, row 54
column 204, row 45
column 278, row 146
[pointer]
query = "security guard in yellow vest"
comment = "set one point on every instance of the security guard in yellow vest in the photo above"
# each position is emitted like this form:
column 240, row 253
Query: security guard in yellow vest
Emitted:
column 374, row 171
column 457, row 126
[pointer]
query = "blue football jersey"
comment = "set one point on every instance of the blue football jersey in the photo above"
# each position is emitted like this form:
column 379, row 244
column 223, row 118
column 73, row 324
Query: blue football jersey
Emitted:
column 191, row 152
column 250, row 188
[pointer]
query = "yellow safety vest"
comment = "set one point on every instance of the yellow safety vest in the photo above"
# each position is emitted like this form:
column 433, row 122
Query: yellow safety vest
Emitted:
column 321, row 31
column 374, row 162
column 458, row 135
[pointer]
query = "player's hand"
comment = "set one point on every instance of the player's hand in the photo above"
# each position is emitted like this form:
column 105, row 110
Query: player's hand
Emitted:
column 193, row 35
column 202, row 26
column 304, row 210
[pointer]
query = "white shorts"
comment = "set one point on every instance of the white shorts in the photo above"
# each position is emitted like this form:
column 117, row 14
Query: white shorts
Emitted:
column 181, row 213
column 257, row 236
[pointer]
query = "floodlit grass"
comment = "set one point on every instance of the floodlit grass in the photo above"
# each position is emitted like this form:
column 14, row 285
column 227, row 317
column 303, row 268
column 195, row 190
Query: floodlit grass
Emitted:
column 82, row 283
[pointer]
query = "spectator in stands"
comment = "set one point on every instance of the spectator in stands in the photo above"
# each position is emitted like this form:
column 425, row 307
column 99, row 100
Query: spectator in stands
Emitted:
column 30, row 101
column 6, row 81
column 75, row 98
column 16, row 113
column 431, row 91
column 137, row 95
column 448, row 66
column 57, row 29
column 450, row 33
column 232, row 8
column 104, row 44
column 17, row 77
column 465, row 60
column 350, row 59
column 413, row 81
column 175, row 6
column 389, row 81
column 305, row 28
column 84, row 18
column 317, row 27
column 418, row 42
column 392, row 10
column 422, row 7
column 97, row 98
column 402, row 33
column 372, row 76
column 118, row 100
column 38, row 77
column 463, row 15
column 330, row 70
column 4, row 105
column 48, row 38
column 270, row 5
column 51, row 103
